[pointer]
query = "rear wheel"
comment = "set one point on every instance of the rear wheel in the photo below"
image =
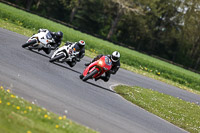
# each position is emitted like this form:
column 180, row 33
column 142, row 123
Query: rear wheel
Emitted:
column 90, row 75
column 29, row 43
column 57, row 57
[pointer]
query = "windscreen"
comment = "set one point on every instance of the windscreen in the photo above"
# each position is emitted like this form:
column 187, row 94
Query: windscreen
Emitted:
column 108, row 61
column 48, row 35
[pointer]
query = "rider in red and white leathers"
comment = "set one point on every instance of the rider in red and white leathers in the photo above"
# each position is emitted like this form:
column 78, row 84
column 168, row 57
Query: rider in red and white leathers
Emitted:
column 80, row 47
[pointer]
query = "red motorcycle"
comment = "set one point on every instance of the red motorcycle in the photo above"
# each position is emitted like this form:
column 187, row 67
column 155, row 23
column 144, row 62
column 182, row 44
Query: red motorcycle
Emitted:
column 97, row 68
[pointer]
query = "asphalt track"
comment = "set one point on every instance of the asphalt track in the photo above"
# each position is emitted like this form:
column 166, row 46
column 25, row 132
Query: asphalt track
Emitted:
column 58, row 88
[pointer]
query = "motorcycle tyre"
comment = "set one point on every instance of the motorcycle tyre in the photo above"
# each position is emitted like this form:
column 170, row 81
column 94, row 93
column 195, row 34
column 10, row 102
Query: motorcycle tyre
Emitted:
column 90, row 75
column 81, row 76
column 57, row 58
column 29, row 43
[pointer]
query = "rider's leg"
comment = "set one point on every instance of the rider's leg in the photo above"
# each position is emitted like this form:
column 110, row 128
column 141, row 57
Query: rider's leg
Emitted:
column 47, row 50
column 104, row 78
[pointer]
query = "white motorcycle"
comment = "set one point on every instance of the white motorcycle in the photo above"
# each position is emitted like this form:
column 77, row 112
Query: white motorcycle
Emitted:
column 39, row 40
column 64, row 54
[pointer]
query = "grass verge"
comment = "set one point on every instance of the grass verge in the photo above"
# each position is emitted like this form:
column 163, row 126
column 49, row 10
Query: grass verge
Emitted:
column 131, row 60
column 184, row 114
column 20, row 116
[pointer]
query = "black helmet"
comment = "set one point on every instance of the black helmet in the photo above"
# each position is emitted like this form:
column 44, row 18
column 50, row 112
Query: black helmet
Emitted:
column 115, row 56
column 81, row 43
column 59, row 35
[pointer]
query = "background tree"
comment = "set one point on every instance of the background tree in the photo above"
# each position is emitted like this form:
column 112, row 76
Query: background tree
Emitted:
column 166, row 28
column 120, row 8
column 191, row 32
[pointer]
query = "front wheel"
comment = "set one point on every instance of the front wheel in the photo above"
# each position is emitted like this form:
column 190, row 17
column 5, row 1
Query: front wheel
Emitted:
column 81, row 76
column 90, row 75
column 57, row 57
column 29, row 43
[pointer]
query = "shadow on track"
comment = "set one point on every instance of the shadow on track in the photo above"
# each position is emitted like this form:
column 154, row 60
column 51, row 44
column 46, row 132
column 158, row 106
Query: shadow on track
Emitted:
column 55, row 62
column 100, row 87
column 39, row 53
column 60, row 65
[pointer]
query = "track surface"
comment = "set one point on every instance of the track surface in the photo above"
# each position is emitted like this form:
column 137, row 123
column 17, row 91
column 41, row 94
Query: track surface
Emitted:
column 58, row 88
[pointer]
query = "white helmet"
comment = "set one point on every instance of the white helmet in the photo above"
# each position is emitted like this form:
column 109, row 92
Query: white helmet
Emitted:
column 81, row 43
column 115, row 56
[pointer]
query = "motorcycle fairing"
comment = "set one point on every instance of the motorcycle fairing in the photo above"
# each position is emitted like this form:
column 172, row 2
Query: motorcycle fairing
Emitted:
column 98, row 65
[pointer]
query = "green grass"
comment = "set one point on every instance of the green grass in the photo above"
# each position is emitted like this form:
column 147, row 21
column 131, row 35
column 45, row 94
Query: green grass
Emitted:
column 20, row 116
column 131, row 60
column 181, row 113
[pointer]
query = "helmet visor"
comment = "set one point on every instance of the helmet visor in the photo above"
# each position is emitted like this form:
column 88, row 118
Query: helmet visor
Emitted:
column 115, row 58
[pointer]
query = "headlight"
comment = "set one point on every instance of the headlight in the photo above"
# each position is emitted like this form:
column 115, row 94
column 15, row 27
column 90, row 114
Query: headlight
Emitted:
column 100, row 62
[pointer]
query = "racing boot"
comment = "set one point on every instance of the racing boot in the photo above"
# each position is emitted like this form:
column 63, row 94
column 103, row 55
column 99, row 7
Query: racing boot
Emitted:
column 100, row 77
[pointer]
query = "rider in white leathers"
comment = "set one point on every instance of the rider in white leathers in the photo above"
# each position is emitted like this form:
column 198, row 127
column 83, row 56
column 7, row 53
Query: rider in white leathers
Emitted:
column 57, row 36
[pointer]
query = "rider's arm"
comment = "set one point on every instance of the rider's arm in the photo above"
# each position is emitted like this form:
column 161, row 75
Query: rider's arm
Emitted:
column 97, row 57
column 68, row 43
column 52, row 33
column 114, row 71
column 80, row 55
column 115, row 68
column 42, row 30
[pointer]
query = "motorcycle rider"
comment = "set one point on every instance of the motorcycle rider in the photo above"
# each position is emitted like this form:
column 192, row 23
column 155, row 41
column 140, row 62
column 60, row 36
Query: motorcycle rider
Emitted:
column 79, row 47
column 115, row 58
column 57, row 36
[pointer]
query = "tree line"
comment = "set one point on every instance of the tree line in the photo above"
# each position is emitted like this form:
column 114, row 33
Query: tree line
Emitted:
column 166, row 28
